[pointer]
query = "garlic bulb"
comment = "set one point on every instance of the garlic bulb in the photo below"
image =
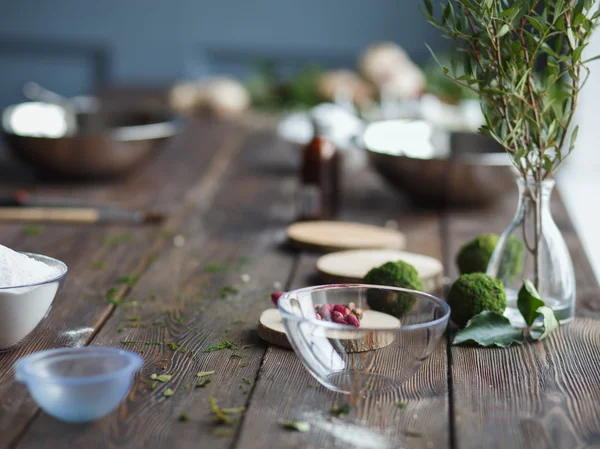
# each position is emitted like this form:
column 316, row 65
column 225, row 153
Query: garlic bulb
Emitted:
column 221, row 96
column 388, row 66
column 345, row 83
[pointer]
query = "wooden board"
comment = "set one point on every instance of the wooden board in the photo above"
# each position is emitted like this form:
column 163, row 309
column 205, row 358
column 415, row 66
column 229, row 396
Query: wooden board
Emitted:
column 339, row 235
column 352, row 266
column 272, row 330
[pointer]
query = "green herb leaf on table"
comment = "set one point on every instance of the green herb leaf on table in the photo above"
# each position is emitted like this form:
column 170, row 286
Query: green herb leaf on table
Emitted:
column 233, row 410
column 550, row 323
column 226, row 344
column 205, row 373
column 300, row 426
column 110, row 297
column 341, row 410
column 128, row 280
column 489, row 329
column 161, row 377
column 168, row 393
column 33, row 230
column 401, row 404
column 203, row 382
column 220, row 417
column 529, row 302
column 184, row 417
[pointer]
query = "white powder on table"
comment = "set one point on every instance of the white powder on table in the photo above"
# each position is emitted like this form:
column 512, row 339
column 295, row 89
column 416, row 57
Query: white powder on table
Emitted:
column 17, row 269
column 22, row 309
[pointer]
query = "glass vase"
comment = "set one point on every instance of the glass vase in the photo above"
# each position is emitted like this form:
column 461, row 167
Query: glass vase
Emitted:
column 532, row 247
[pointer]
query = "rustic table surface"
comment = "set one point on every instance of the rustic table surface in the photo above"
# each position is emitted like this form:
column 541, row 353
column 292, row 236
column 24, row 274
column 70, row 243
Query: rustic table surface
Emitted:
column 228, row 189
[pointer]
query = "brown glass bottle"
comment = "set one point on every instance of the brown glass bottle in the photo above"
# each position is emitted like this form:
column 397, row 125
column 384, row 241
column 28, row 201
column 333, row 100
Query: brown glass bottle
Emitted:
column 319, row 193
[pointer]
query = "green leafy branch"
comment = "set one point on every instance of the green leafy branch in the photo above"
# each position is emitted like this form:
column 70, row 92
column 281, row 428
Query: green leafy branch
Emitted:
column 494, row 329
column 524, row 59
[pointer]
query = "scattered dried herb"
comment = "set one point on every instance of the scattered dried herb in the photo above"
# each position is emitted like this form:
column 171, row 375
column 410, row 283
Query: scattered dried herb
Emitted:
column 233, row 410
column 342, row 410
column 161, row 377
column 117, row 239
column 33, row 230
column 220, row 417
column 128, row 280
column 153, row 297
column 238, row 321
column 401, row 404
column 227, row 330
column 226, row 344
column 203, row 382
column 110, row 297
column 248, row 381
column 227, row 290
column 236, row 356
column 168, row 393
column 173, row 346
column 154, row 343
column 243, row 260
column 133, row 318
column 131, row 304
column 245, row 364
column 120, row 330
column 164, row 360
column 300, row 426
column 205, row 373
column 184, row 417
column 99, row 265
column 154, row 385
column 128, row 342
column 214, row 267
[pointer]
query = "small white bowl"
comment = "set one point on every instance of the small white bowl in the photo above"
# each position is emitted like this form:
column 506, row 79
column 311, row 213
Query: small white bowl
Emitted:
column 23, row 307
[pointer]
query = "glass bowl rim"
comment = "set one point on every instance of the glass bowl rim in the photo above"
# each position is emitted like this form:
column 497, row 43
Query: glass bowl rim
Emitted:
column 23, row 367
column 334, row 326
column 41, row 258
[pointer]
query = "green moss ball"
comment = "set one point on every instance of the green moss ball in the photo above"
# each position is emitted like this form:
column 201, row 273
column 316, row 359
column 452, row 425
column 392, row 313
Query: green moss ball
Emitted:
column 393, row 274
column 474, row 256
column 473, row 293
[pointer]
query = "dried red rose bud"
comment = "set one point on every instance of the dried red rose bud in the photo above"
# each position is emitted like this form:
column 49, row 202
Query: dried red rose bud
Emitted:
column 352, row 306
column 275, row 296
column 341, row 309
column 337, row 317
column 351, row 319
column 358, row 312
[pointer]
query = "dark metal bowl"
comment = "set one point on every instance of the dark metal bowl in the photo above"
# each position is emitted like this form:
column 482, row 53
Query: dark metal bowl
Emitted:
column 104, row 144
column 473, row 170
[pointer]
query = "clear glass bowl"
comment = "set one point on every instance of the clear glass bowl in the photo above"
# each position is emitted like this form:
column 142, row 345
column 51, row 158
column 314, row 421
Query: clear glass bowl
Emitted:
column 78, row 384
column 24, row 307
column 399, row 330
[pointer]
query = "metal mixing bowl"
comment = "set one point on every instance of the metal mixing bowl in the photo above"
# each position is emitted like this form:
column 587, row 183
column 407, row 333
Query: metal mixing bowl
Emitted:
column 470, row 169
column 104, row 144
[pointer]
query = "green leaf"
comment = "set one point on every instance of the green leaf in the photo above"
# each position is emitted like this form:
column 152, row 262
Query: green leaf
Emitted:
column 503, row 30
column 536, row 24
column 573, row 137
column 489, row 329
column 300, row 426
column 571, row 37
column 591, row 59
column 528, row 302
column 168, row 393
column 578, row 8
column 341, row 410
column 161, row 377
column 205, row 373
column 550, row 324
column 429, row 6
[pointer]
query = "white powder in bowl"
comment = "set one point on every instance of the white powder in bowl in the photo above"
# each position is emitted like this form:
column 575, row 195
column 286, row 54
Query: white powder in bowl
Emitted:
column 22, row 309
column 17, row 269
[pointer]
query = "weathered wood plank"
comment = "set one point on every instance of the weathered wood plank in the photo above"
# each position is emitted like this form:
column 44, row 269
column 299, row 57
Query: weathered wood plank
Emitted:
column 243, row 219
column 81, row 307
column 532, row 396
column 285, row 390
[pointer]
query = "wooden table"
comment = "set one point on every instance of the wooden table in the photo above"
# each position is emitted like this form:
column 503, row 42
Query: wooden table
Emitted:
column 229, row 191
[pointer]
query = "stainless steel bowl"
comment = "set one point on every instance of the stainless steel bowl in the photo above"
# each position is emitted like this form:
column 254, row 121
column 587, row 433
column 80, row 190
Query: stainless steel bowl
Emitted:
column 470, row 169
column 104, row 144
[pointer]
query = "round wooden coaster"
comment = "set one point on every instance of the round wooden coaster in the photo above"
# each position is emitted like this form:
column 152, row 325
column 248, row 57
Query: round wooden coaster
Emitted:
column 270, row 329
column 339, row 235
column 352, row 266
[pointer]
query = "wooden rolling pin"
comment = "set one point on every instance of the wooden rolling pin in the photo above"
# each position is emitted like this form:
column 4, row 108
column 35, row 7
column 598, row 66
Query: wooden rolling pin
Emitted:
column 77, row 215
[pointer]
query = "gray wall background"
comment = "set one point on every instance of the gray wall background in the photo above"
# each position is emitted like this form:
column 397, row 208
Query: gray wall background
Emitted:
column 72, row 45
